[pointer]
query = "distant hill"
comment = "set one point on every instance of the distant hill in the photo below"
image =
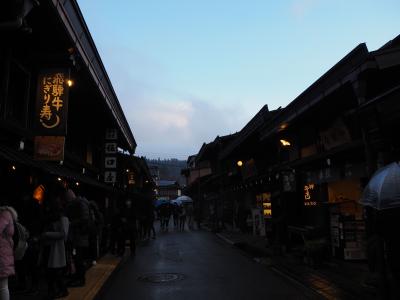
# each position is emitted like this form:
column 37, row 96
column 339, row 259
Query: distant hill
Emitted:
column 168, row 169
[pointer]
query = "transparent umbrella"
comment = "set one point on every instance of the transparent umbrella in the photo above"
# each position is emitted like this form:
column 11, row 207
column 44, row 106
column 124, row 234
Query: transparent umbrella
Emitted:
column 184, row 199
column 383, row 189
column 160, row 202
column 177, row 202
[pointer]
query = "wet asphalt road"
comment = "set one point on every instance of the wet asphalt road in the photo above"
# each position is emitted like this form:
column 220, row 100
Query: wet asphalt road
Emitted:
column 206, row 267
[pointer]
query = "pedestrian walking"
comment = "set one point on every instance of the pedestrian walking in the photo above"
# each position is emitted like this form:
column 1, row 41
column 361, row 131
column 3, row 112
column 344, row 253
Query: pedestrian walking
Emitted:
column 175, row 215
column 115, row 231
column 129, row 228
column 182, row 217
column 77, row 211
column 189, row 215
column 53, row 252
column 165, row 213
column 96, row 230
column 151, row 232
column 8, row 216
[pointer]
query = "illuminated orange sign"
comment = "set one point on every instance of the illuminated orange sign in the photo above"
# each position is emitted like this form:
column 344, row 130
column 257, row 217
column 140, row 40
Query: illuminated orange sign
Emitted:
column 308, row 199
column 51, row 103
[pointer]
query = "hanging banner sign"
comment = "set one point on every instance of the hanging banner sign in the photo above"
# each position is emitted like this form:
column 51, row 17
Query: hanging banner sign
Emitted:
column 111, row 148
column 49, row 148
column 111, row 134
column 52, row 103
column 110, row 157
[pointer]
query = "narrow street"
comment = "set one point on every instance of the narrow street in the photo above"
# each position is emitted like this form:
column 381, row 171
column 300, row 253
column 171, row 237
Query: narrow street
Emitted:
column 196, row 265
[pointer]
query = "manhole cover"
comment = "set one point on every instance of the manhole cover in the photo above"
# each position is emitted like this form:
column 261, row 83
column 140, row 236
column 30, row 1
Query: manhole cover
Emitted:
column 160, row 277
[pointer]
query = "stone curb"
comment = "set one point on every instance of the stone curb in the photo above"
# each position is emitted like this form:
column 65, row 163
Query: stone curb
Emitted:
column 110, row 279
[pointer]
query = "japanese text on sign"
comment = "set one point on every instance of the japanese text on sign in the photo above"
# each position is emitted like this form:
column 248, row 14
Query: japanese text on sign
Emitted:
column 53, row 91
column 111, row 148
column 52, row 102
column 111, row 134
column 308, row 201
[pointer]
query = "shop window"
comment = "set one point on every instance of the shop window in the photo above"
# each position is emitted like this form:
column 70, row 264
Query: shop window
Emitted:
column 17, row 94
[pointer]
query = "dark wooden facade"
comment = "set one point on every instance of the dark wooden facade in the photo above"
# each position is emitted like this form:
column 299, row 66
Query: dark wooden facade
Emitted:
column 314, row 156
column 54, row 35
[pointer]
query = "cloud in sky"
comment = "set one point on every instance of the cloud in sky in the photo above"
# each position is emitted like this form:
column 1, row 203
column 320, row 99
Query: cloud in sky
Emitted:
column 176, row 128
column 166, row 123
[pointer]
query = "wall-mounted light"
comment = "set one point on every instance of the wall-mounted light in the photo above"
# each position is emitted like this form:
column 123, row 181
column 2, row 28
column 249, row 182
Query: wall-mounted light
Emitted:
column 77, row 183
column 70, row 82
column 239, row 163
column 13, row 167
column 283, row 126
column 59, row 179
column 285, row 143
column 127, row 170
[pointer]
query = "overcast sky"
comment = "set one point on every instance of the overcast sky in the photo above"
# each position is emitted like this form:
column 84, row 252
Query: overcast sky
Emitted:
column 186, row 71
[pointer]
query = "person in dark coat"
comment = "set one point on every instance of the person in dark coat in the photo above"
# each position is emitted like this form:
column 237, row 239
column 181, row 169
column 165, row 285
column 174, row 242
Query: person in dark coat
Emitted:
column 390, row 222
column 32, row 218
column 128, row 215
column 182, row 217
column 78, row 213
column 175, row 214
column 54, row 257
column 116, row 231
column 150, row 221
column 96, row 230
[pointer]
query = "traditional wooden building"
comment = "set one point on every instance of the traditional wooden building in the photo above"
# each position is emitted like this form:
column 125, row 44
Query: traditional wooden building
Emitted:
column 307, row 163
column 167, row 190
column 328, row 144
column 54, row 84
column 205, row 176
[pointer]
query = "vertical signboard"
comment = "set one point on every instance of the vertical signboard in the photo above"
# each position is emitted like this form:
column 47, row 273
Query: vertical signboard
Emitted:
column 52, row 103
column 110, row 157
column 50, row 120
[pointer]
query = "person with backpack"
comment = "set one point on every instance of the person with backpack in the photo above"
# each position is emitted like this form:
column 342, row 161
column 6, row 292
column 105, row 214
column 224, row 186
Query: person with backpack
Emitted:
column 8, row 216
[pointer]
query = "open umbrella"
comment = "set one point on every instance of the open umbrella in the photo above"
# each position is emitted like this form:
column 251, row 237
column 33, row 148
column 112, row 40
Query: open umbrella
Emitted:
column 383, row 189
column 160, row 202
column 184, row 199
column 177, row 202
